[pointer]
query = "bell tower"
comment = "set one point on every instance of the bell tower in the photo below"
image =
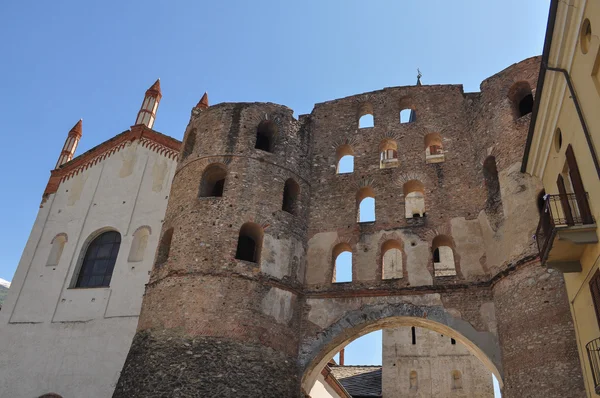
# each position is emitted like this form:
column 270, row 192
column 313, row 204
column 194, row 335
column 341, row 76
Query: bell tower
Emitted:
column 147, row 113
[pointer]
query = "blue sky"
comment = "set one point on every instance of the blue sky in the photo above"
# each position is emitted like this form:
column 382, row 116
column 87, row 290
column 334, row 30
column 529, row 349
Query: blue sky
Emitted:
column 65, row 60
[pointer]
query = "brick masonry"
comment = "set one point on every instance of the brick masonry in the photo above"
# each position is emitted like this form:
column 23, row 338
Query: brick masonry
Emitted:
column 285, row 308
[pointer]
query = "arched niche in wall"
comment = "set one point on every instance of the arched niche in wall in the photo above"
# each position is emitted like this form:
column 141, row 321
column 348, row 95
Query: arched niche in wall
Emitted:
column 341, row 259
column 189, row 144
column 443, row 256
column 250, row 240
column 392, row 266
column 414, row 199
column 521, row 98
column 434, row 149
column 388, row 154
column 213, row 180
column 344, row 159
column 58, row 244
column 492, row 184
column 266, row 134
column 291, row 193
column 139, row 244
column 164, row 247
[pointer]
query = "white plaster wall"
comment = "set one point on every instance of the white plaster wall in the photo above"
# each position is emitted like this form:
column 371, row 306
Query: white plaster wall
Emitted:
column 54, row 338
column 322, row 390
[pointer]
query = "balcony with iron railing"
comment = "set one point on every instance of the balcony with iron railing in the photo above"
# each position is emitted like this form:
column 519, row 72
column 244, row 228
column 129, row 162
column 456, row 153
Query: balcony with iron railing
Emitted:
column 566, row 226
column 593, row 351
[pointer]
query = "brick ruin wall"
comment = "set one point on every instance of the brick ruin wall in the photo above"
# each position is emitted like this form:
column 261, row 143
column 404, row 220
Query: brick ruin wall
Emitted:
column 215, row 325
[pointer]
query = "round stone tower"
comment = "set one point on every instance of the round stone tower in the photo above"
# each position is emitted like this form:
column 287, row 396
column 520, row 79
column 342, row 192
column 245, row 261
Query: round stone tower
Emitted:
column 221, row 308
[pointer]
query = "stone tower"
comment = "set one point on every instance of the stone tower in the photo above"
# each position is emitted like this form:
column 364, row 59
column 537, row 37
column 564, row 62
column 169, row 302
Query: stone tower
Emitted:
column 230, row 260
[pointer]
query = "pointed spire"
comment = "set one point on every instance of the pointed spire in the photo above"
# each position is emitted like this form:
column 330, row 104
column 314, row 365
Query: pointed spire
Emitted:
column 70, row 145
column 78, row 128
column 155, row 87
column 147, row 113
column 203, row 103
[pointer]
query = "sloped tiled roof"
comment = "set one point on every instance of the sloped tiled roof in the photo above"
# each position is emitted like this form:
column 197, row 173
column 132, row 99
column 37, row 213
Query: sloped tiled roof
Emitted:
column 359, row 381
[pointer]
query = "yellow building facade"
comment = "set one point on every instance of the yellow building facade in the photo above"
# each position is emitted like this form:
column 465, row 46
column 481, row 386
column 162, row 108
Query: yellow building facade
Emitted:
column 562, row 150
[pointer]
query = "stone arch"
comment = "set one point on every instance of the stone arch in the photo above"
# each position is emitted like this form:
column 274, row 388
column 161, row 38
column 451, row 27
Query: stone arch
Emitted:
column 250, row 241
column 164, row 247
column 266, row 134
column 444, row 256
column 341, row 152
column 338, row 249
column 189, row 144
column 362, row 194
column 316, row 350
column 213, row 179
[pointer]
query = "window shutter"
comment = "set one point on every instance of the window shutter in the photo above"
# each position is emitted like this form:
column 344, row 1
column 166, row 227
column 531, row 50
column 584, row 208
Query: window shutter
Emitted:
column 582, row 202
column 595, row 290
column 564, row 200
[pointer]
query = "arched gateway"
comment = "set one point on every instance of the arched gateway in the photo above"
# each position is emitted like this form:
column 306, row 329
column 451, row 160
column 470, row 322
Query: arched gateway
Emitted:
column 316, row 351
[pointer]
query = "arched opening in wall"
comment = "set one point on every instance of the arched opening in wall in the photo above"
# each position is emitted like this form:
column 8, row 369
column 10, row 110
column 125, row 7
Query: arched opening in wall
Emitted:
column 585, row 37
column 344, row 159
column 164, row 247
column 139, row 244
column 522, row 98
column 365, row 116
column 58, row 244
column 388, row 154
column 492, row 184
column 443, row 256
column 391, row 266
column 414, row 199
column 99, row 261
column 434, row 149
column 250, row 242
column 341, row 257
column 213, row 181
column 394, row 371
column 457, row 380
column 407, row 115
column 291, row 190
column 266, row 133
column 190, row 143
column 365, row 204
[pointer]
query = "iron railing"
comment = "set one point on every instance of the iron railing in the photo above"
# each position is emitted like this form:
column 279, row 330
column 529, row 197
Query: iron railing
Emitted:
column 562, row 210
column 593, row 350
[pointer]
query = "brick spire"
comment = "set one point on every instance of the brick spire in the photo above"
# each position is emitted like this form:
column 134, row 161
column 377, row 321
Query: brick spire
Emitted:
column 70, row 144
column 203, row 104
column 147, row 113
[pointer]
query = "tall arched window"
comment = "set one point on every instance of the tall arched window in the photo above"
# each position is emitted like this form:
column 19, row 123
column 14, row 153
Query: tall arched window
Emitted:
column 522, row 98
column 414, row 199
column 139, row 244
column 213, row 181
column 291, row 190
column 99, row 260
column 58, row 244
column 344, row 159
column 492, row 184
column 365, row 203
column 443, row 256
column 342, row 263
column 190, row 143
column 266, row 132
column 388, row 154
column 249, row 243
column 365, row 116
column 434, row 150
column 414, row 381
column 164, row 247
column 456, row 380
column 391, row 260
